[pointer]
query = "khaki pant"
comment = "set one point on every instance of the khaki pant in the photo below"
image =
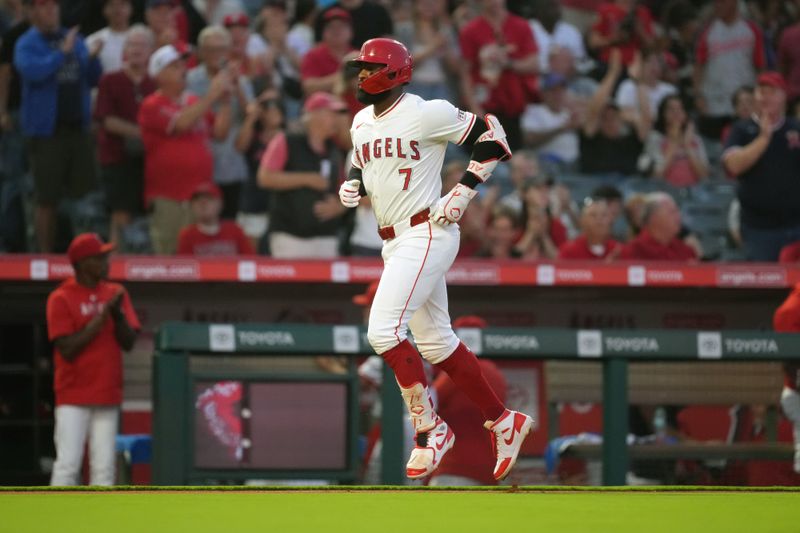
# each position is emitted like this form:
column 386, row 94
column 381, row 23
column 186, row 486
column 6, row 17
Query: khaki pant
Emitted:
column 285, row 246
column 167, row 219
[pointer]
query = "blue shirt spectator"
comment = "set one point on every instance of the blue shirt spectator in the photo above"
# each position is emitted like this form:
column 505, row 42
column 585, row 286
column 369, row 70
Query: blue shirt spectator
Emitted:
column 55, row 84
column 57, row 72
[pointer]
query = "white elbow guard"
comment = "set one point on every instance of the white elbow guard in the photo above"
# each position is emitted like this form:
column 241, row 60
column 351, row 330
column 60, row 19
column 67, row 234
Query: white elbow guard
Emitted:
column 490, row 148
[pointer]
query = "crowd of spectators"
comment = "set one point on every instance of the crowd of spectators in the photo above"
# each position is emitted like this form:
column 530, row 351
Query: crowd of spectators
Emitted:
column 641, row 129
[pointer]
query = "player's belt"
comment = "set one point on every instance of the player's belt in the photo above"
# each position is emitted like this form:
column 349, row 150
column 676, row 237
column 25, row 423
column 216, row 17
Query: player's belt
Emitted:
column 390, row 232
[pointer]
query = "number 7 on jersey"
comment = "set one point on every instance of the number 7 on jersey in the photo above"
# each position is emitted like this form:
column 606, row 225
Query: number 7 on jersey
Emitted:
column 406, row 173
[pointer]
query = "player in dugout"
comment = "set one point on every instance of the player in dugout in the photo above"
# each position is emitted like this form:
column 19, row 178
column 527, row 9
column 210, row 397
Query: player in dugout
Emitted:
column 399, row 143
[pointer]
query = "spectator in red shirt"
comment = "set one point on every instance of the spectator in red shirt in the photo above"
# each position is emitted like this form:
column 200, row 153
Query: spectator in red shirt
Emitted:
column 595, row 241
column 119, row 140
column 622, row 24
column 658, row 240
column 472, row 461
column 501, row 63
column 90, row 321
column 209, row 235
column 176, row 127
column 319, row 70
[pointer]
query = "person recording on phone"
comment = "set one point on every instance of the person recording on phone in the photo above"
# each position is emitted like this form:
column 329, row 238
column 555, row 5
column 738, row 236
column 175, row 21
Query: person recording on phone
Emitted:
column 90, row 321
column 303, row 171
column 623, row 24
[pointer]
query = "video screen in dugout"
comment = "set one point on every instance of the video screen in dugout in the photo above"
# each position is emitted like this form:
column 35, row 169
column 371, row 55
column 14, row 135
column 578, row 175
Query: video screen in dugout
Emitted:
column 262, row 425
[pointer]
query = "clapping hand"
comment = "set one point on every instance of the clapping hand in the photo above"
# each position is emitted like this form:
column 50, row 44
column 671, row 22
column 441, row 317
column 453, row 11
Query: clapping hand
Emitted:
column 68, row 44
column 114, row 305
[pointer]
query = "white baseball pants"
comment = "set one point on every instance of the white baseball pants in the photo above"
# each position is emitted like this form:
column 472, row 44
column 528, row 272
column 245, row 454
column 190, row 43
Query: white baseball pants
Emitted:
column 412, row 292
column 790, row 402
column 74, row 424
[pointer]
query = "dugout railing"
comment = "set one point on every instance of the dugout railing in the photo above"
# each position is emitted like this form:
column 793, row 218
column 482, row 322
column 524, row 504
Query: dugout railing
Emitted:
column 180, row 345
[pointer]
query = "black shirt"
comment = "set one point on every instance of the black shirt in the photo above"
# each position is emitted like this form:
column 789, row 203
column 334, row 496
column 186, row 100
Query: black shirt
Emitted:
column 292, row 211
column 7, row 58
column 607, row 155
column 254, row 199
column 769, row 191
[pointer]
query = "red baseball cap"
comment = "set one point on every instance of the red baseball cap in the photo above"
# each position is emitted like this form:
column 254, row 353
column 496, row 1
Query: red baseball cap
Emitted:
column 335, row 13
column 469, row 321
column 323, row 100
column 207, row 188
column 773, row 79
column 87, row 245
column 368, row 296
column 236, row 19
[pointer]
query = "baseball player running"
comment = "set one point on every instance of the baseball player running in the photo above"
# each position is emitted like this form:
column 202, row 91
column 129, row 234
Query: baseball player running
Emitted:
column 399, row 143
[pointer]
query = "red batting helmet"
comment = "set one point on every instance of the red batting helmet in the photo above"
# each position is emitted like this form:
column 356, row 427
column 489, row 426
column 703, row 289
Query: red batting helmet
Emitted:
column 395, row 58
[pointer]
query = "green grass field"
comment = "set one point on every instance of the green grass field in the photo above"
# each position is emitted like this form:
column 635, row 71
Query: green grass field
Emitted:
column 378, row 510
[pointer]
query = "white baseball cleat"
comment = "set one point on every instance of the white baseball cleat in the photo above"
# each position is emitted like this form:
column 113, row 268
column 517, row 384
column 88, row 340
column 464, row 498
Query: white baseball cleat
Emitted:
column 508, row 433
column 431, row 447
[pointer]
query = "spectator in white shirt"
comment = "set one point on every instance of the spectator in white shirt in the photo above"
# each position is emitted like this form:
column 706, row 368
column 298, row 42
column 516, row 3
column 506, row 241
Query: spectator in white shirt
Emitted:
column 551, row 128
column 118, row 14
column 548, row 30
column 301, row 36
column 646, row 71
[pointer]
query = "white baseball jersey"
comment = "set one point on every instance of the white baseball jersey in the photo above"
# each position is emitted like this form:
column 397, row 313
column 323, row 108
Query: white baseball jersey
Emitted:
column 401, row 152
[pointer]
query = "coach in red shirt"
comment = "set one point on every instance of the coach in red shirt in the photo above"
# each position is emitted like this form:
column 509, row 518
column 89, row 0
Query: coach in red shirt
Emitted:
column 595, row 241
column 319, row 69
column 176, row 127
column 209, row 235
column 658, row 240
column 502, row 62
column 90, row 321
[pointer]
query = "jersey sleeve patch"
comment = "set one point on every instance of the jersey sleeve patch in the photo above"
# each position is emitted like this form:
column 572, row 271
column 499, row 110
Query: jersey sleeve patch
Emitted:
column 442, row 121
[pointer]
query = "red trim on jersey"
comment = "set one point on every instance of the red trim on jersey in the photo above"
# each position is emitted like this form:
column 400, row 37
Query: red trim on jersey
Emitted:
column 759, row 55
column 400, row 320
column 390, row 109
column 469, row 129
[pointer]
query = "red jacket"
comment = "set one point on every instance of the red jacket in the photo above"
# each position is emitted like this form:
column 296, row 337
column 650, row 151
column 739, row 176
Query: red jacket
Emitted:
column 579, row 249
column 645, row 247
